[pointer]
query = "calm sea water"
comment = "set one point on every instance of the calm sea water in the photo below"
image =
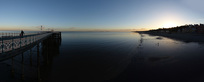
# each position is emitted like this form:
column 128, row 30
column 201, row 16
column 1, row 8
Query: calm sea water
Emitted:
column 109, row 57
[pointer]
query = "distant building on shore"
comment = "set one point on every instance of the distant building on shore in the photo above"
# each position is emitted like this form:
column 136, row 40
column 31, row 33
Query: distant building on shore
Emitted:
column 196, row 28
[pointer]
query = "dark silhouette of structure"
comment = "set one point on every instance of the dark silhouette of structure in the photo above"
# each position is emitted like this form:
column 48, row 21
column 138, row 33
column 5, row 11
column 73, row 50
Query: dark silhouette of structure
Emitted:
column 196, row 28
column 22, row 33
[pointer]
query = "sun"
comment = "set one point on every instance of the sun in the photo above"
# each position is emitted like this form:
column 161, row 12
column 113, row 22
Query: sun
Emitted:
column 169, row 25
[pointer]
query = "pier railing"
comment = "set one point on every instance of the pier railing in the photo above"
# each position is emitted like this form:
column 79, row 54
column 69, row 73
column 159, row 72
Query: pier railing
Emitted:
column 12, row 41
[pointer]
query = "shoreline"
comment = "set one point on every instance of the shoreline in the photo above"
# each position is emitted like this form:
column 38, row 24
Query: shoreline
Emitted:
column 185, row 37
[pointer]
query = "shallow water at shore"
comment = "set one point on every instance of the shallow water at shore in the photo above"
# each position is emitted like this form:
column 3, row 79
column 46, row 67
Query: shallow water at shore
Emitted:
column 109, row 57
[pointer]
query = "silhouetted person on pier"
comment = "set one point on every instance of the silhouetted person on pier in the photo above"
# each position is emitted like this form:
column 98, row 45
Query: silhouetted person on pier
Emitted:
column 22, row 32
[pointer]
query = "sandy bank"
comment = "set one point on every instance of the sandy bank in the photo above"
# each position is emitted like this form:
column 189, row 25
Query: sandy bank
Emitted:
column 186, row 37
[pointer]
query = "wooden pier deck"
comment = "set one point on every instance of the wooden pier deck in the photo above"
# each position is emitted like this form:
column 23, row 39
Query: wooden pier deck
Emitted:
column 11, row 45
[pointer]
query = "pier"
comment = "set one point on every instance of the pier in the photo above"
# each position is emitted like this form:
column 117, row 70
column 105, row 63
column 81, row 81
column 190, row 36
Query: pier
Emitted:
column 12, row 44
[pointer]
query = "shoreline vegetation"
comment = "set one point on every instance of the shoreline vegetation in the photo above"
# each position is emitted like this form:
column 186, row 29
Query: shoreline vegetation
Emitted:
column 186, row 33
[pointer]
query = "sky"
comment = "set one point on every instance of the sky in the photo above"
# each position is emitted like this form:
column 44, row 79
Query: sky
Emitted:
column 98, row 15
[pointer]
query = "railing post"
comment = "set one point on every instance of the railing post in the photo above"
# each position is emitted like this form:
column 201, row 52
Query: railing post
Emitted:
column 12, row 43
column 33, row 38
column 20, row 41
column 2, row 44
column 30, row 39
column 25, row 40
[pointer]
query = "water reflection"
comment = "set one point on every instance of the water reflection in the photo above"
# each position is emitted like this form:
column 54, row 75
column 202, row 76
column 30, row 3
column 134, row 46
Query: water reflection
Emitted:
column 50, row 49
column 139, row 56
column 109, row 57
column 164, row 60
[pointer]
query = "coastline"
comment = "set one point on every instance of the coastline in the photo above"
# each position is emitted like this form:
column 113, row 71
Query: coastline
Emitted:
column 186, row 37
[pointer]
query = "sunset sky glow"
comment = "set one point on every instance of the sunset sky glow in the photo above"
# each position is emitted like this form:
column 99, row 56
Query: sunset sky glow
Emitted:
column 82, row 15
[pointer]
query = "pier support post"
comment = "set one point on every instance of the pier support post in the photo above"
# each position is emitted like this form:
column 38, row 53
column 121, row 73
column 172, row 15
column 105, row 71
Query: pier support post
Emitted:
column 31, row 57
column 47, row 49
column 22, row 62
column 38, row 64
column 12, row 67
